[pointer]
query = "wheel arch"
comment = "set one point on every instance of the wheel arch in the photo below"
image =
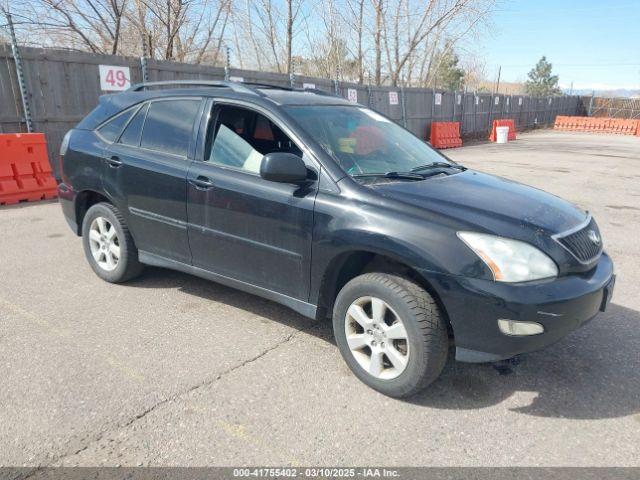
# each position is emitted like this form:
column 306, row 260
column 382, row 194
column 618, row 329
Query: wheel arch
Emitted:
column 347, row 265
column 84, row 201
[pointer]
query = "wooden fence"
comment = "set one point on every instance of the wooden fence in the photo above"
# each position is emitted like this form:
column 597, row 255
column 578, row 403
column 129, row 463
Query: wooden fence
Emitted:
column 63, row 86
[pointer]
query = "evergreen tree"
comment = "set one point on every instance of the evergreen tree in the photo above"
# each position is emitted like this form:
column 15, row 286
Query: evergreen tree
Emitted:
column 449, row 75
column 541, row 83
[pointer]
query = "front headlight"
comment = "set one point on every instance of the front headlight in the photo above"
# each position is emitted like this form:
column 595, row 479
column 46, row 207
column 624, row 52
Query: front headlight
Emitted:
column 510, row 260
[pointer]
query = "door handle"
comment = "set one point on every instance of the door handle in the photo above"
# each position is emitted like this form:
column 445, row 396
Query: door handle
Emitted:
column 201, row 182
column 114, row 161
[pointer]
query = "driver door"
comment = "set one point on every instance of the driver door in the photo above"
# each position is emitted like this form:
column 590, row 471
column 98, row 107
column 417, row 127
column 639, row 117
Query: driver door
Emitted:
column 242, row 226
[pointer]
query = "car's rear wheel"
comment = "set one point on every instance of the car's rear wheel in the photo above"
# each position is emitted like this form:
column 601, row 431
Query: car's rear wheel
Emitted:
column 108, row 244
column 391, row 333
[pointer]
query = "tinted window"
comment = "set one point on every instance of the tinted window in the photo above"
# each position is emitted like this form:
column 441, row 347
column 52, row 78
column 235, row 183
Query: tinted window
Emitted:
column 243, row 137
column 169, row 125
column 113, row 127
column 363, row 141
column 232, row 150
column 131, row 134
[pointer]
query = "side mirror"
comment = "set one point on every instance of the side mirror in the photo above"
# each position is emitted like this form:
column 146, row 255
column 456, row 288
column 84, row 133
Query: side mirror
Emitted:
column 283, row 167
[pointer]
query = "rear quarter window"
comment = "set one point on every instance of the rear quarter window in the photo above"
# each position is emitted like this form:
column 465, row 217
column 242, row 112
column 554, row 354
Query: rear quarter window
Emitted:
column 169, row 125
column 112, row 128
column 131, row 134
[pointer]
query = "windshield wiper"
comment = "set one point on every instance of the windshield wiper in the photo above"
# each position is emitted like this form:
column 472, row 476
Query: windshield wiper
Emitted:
column 438, row 165
column 398, row 175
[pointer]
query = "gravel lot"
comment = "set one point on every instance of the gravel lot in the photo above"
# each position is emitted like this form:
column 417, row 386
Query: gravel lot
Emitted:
column 174, row 370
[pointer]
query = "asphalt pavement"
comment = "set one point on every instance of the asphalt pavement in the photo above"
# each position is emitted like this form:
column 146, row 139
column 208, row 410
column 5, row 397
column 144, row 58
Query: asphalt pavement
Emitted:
column 174, row 370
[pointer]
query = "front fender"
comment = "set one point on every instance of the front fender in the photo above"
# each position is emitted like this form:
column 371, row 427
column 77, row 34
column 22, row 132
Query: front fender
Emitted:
column 343, row 226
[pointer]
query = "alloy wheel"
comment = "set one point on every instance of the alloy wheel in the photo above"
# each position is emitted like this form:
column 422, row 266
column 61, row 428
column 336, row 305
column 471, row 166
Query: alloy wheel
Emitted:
column 104, row 244
column 377, row 338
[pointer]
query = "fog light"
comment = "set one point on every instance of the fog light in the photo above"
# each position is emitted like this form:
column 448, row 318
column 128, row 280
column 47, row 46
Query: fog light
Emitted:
column 512, row 327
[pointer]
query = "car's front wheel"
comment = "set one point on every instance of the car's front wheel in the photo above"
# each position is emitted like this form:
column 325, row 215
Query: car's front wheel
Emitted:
column 108, row 244
column 391, row 333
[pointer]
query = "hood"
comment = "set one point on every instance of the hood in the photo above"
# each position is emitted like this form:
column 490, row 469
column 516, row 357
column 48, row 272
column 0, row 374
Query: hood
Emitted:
column 487, row 201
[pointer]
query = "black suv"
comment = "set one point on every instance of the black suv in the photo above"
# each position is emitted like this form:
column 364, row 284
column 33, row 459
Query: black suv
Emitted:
column 332, row 210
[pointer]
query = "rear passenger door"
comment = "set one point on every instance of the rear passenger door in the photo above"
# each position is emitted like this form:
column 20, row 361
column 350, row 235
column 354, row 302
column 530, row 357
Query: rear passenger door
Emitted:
column 145, row 173
column 240, row 225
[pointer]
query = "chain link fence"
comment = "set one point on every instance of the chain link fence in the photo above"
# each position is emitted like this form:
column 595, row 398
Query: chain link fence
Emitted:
column 612, row 107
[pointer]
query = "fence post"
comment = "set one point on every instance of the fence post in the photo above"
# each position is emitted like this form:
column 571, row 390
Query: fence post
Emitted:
column 462, row 102
column 455, row 99
column 433, row 103
column 20, row 74
column 227, row 65
column 476, row 100
column 490, row 118
column 404, row 108
column 143, row 67
column 143, row 59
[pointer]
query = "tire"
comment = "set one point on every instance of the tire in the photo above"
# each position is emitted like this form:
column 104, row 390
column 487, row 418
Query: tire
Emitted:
column 423, row 353
column 101, row 218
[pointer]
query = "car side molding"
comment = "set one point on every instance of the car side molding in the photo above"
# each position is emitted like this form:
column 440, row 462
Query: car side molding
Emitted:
column 303, row 308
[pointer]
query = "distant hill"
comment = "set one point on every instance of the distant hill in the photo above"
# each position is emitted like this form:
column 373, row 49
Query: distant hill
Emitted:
column 618, row 92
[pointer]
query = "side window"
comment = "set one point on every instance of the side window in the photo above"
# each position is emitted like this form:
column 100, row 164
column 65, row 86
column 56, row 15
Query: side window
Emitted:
column 113, row 127
column 243, row 137
column 131, row 134
column 169, row 125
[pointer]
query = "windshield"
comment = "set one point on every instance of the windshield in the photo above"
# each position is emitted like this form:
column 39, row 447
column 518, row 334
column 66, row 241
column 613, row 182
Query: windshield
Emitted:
column 363, row 141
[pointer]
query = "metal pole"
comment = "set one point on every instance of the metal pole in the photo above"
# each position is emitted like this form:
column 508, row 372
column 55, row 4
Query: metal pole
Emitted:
column 404, row 107
column 20, row 74
column 227, row 65
column 463, row 97
column 143, row 60
column 476, row 100
column 455, row 100
column 143, row 66
column 292, row 74
column 492, row 98
column 433, row 103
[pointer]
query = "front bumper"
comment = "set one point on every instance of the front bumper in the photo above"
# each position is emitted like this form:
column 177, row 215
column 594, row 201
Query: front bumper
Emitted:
column 560, row 306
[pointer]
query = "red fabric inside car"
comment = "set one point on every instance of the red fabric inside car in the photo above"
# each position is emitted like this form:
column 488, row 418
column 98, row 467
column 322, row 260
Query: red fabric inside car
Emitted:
column 368, row 139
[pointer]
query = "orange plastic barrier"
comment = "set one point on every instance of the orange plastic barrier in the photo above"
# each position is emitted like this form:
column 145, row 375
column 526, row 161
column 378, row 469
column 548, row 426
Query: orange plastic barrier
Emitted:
column 25, row 172
column 445, row 135
column 621, row 126
column 507, row 122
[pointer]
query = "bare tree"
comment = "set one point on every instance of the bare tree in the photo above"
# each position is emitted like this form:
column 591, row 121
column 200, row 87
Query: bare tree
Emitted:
column 94, row 25
column 392, row 40
column 355, row 20
column 378, row 6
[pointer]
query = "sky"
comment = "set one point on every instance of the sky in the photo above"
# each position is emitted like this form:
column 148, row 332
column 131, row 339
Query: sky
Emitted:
column 593, row 43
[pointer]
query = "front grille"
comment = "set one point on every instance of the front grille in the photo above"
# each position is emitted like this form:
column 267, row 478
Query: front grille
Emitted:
column 581, row 243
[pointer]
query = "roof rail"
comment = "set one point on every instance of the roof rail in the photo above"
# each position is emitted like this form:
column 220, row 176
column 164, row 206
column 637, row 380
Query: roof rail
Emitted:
column 238, row 87
column 235, row 86
column 267, row 85
column 317, row 91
